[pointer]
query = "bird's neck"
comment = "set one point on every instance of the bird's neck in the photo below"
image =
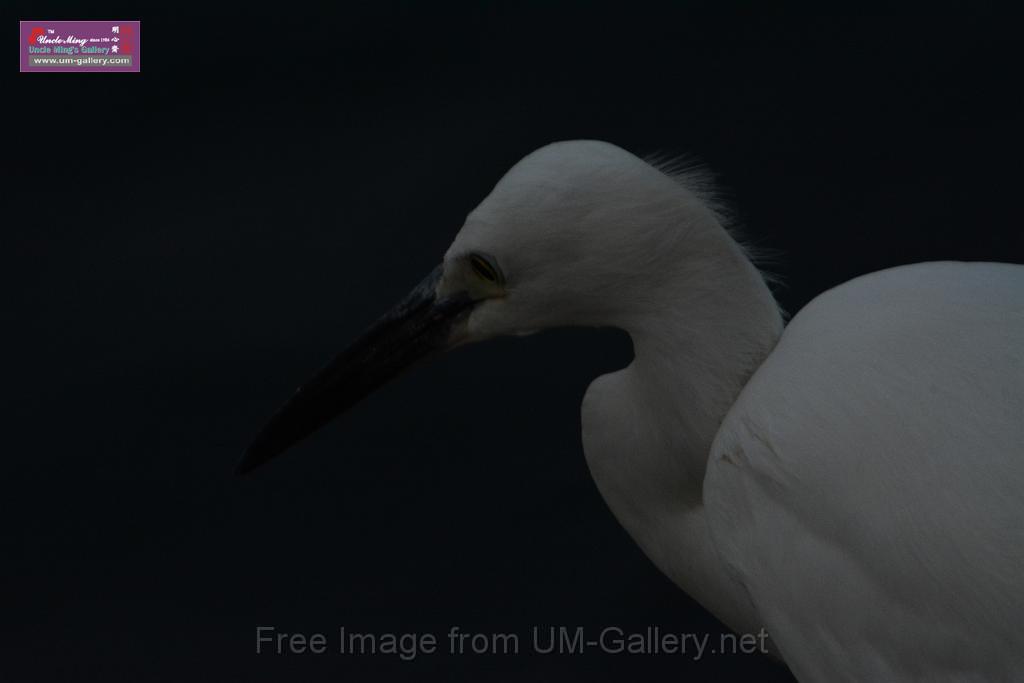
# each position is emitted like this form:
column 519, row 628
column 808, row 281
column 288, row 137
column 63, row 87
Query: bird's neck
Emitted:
column 694, row 351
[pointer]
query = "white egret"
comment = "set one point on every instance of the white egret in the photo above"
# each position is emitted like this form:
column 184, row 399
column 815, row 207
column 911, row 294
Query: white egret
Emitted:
column 853, row 482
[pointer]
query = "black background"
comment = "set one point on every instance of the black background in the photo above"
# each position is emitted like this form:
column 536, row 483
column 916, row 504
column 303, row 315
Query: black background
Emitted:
column 183, row 246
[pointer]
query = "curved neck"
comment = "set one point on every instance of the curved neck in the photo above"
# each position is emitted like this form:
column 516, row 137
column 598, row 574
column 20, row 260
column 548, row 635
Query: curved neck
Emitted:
column 649, row 436
column 695, row 349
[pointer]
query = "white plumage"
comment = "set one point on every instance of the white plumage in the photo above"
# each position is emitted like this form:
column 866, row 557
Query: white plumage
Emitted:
column 866, row 487
column 853, row 482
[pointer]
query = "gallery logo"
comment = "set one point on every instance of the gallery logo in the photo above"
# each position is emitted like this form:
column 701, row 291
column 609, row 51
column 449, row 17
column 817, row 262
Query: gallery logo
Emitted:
column 80, row 46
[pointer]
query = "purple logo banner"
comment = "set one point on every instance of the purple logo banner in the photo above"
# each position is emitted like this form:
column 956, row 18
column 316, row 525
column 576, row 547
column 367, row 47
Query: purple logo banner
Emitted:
column 80, row 46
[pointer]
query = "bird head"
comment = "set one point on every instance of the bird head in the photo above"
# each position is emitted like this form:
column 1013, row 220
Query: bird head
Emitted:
column 577, row 233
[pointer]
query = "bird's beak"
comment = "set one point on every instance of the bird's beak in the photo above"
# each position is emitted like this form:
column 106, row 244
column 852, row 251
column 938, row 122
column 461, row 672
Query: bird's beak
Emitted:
column 421, row 325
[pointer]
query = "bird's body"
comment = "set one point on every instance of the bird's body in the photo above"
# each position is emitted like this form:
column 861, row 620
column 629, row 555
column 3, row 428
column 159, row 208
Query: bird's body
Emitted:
column 853, row 483
column 867, row 487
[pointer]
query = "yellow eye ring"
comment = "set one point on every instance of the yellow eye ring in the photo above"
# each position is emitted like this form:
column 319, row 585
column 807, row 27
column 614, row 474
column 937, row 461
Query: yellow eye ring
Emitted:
column 484, row 269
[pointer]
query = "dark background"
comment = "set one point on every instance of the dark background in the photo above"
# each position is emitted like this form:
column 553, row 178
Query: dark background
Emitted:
column 183, row 246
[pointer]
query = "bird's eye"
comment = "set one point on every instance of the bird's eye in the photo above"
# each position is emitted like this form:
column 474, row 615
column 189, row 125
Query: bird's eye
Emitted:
column 484, row 270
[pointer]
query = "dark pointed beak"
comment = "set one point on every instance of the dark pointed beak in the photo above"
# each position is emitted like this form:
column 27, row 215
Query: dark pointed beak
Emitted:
column 420, row 326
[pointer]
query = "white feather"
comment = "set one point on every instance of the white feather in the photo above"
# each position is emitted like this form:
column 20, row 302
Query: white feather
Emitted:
column 860, row 494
